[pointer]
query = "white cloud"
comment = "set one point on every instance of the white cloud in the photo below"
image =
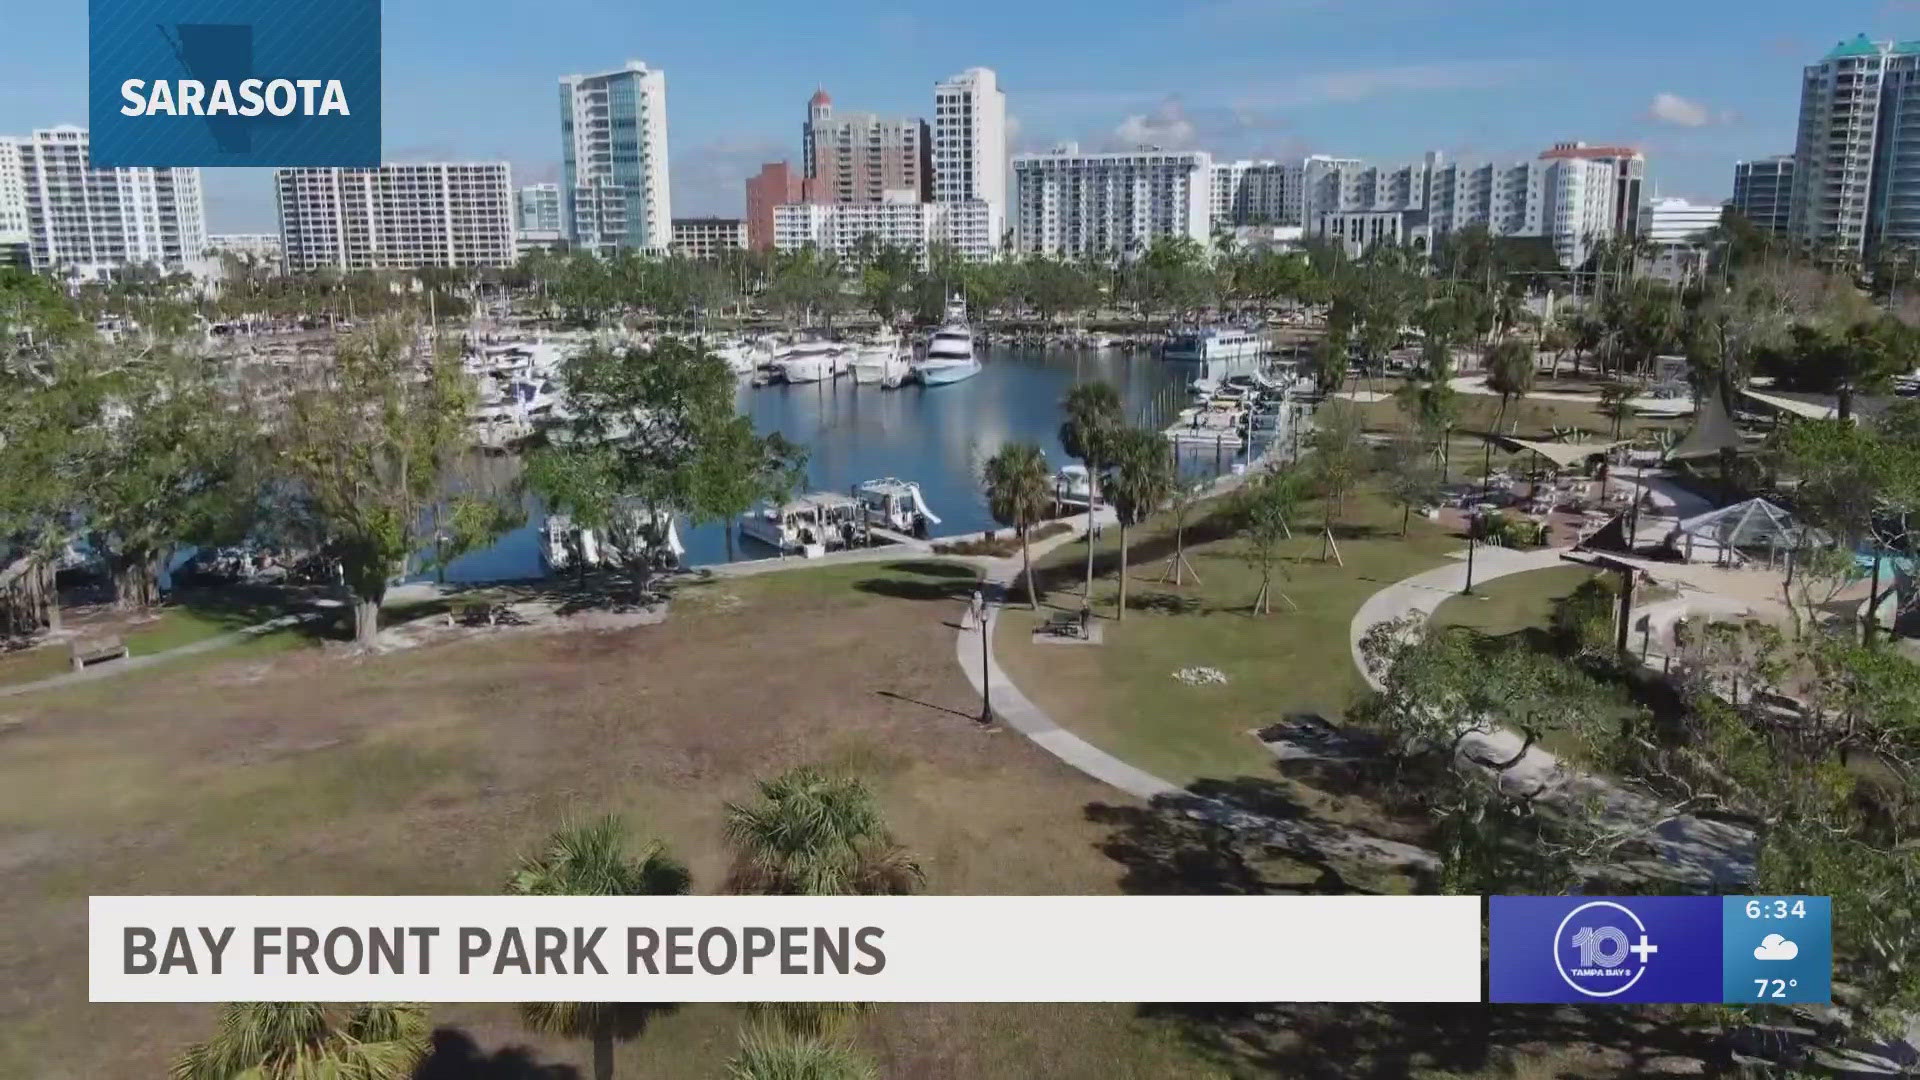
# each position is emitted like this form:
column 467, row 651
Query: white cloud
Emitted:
column 1775, row 947
column 1167, row 125
column 1674, row 109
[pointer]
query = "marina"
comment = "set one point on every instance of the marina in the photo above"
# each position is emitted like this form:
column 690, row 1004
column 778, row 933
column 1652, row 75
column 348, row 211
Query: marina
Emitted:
column 935, row 437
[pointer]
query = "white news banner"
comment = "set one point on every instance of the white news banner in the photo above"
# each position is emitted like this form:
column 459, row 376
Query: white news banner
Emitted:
column 785, row 948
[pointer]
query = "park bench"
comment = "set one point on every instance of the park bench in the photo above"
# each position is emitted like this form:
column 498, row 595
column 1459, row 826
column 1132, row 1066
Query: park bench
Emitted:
column 479, row 613
column 92, row 650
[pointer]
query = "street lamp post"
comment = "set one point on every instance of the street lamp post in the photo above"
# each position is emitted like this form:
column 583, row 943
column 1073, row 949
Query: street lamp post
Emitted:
column 986, row 674
column 1471, row 544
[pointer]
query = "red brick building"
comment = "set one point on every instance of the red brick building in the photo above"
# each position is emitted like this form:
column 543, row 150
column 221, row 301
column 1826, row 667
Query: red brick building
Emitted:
column 777, row 183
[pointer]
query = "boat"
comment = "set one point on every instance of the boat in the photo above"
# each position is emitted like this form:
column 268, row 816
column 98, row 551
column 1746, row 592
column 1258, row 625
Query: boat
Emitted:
column 1070, row 485
column 1203, row 387
column 1102, row 341
column 742, row 357
column 811, row 361
column 1214, row 344
column 950, row 355
column 809, row 524
column 884, row 360
column 561, row 542
column 896, row 505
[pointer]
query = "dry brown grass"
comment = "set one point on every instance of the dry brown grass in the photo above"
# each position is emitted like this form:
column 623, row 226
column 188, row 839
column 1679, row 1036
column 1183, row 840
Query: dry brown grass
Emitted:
column 426, row 772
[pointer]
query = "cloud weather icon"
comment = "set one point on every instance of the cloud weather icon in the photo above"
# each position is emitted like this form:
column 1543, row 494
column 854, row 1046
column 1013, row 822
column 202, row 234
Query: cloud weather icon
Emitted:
column 1775, row 947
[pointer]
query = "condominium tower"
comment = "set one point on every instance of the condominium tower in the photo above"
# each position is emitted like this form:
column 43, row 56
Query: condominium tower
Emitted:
column 1257, row 193
column 1078, row 205
column 1628, row 170
column 1856, row 172
column 970, row 143
column 396, row 217
column 86, row 221
column 613, row 145
column 708, row 237
column 1763, row 191
column 861, row 157
column 539, row 208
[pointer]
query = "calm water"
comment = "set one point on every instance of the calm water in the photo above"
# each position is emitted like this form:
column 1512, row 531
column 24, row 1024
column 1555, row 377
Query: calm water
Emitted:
column 938, row 436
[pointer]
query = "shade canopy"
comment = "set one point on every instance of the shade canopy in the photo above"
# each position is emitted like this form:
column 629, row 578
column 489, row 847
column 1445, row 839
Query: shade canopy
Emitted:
column 1564, row 455
column 1755, row 523
column 1805, row 406
column 1713, row 431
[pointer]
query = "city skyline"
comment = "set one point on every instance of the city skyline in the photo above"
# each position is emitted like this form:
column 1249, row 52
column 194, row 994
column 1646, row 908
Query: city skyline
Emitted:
column 1712, row 87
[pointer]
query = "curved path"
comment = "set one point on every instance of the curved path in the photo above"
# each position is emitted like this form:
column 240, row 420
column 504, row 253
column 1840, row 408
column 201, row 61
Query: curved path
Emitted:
column 1700, row 850
column 1018, row 712
column 111, row 668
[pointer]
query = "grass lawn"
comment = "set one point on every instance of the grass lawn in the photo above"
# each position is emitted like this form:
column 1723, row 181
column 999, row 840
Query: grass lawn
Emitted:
column 1122, row 695
column 427, row 771
column 1516, row 602
column 170, row 628
column 1526, row 417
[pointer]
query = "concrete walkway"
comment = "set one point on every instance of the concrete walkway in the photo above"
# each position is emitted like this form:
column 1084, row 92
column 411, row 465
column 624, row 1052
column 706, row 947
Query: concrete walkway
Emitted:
column 1017, row 711
column 108, row 669
column 1701, row 850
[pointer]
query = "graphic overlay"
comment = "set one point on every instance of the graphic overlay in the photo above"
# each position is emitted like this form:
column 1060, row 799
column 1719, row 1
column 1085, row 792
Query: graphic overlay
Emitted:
column 1670, row 949
column 785, row 948
column 234, row 83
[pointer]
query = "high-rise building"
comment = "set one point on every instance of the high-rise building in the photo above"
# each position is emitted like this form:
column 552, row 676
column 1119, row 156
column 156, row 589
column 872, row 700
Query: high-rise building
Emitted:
column 1629, row 171
column 860, row 157
column 1256, row 193
column 970, row 143
column 776, row 184
column 1677, row 221
column 613, row 138
column 1857, row 158
column 538, row 209
column 1111, row 205
column 708, row 237
column 397, row 217
column 1327, row 184
column 87, row 221
column 1763, row 191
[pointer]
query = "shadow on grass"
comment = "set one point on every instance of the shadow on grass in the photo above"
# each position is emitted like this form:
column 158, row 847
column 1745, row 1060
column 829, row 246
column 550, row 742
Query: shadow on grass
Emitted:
column 456, row 1056
column 1165, row 603
column 931, row 568
column 236, row 607
column 1143, row 549
column 927, row 704
column 927, row 581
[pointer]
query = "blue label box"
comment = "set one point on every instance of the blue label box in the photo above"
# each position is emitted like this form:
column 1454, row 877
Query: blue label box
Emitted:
column 274, row 83
column 1777, row 950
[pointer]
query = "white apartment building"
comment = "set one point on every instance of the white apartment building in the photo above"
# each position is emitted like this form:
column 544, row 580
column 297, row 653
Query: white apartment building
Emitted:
column 1856, row 173
column 970, row 144
column 708, row 237
column 613, row 140
column 263, row 248
column 1256, row 193
column 1567, row 199
column 88, row 222
column 1076, row 205
column 539, row 208
column 13, row 194
column 397, row 217
column 1763, row 191
column 1677, row 221
column 916, row 227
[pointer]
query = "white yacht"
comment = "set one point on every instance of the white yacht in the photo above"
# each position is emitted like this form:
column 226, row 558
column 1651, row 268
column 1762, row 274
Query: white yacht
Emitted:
column 811, row 361
column 812, row 522
column 743, row 356
column 1070, row 484
column 895, row 504
column 1214, row 343
column 950, row 355
column 885, row 361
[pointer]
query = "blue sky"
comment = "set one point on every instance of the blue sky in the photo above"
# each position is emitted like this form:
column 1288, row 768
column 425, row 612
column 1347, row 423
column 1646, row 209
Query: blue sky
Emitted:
column 1698, row 84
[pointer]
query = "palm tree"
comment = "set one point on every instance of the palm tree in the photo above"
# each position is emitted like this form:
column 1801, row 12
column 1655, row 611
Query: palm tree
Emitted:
column 812, row 834
column 1509, row 373
column 1018, row 491
column 1616, row 402
column 303, row 1040
column 1093, row 415
column 593, row 859
column 778, row 1055
column 1140, row 477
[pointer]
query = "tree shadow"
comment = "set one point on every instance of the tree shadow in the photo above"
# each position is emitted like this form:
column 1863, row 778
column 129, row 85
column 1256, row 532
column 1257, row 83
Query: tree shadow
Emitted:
column 1164, row 603
column 932, row 568
column 1143, row 549
column 238, row 606
column 926, row 704
column 456, row 1056
column 930, row 581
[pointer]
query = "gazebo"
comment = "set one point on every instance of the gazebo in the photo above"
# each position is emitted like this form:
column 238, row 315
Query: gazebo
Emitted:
column 1755, row 524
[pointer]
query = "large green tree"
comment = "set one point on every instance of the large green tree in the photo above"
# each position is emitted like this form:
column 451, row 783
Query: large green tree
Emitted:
column 1140, row 476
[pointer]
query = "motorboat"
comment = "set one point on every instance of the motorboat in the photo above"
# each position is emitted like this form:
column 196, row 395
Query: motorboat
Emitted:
column 884, row 360
column 1071, row 485
column 1203, row 388
column 635, row 530
column 809, row 524
column 896, row 505
column 811, row 361
column 949, row 357
column 1214, row 344
column 742, row 357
